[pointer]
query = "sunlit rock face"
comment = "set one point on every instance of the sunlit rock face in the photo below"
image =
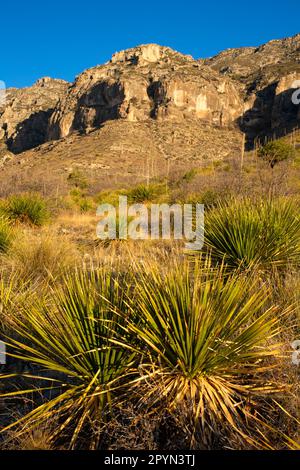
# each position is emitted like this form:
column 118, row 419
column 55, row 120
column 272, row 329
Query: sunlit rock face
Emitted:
column 146, row 82
column 250, row 87
column 25, row 113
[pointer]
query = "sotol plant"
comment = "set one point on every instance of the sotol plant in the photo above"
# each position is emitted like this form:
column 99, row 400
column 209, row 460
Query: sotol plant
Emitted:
column 26, row 208
column 206, row 339
column 246, row 233
column 192, row 339
column 6, row 235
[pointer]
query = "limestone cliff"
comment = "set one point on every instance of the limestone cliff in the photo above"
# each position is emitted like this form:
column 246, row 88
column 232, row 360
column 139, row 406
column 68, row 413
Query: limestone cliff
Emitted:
column 250, row 88
column 25, row 114
column 269, row 75
column 143, row 83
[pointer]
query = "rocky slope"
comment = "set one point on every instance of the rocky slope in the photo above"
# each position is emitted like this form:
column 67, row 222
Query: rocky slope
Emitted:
column 120, row 153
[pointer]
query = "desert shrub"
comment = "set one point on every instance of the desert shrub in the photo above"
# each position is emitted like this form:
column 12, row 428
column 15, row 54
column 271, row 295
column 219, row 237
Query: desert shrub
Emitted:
column 211, row 198
column 276, row 151
column 244, row 233
column 204, row 338
column 26, row 208
column 85, row 205
column 78, row 179
column 80, row 200
column 145, row 193
column 110, row 196
column 190, row 175
column 6, row 235
column 141, row 193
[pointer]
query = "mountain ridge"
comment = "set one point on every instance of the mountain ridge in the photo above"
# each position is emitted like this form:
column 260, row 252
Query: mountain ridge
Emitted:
column 156, row 92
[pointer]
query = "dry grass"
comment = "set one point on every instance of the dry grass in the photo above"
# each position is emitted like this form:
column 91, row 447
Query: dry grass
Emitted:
column 39, row 257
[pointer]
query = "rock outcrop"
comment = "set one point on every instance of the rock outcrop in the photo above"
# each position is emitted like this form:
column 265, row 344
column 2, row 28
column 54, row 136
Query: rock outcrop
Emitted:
column 25, row 114
column 250, row 87
column 243, row 62
column 269, row 75
column 143, row 83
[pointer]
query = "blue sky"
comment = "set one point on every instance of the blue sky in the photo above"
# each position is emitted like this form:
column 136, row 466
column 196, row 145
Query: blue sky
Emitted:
column 62, row 38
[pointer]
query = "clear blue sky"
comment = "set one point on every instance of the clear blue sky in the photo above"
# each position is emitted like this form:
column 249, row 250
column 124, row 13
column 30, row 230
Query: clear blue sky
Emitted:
column 60, row 38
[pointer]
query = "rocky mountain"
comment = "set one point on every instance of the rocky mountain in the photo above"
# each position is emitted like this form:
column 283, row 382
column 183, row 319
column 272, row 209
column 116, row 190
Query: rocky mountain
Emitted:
column 149, row 103
column 269, row 75
column 147, row 82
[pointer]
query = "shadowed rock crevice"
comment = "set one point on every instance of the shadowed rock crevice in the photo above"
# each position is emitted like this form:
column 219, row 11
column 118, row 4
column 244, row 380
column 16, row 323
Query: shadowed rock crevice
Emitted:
column 24, row 118
column 99, row 104
column 30, row 133
column 268, row 76
column 273, row 114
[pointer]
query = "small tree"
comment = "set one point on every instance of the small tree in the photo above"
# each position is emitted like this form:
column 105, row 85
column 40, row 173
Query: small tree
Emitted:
column 276, row 151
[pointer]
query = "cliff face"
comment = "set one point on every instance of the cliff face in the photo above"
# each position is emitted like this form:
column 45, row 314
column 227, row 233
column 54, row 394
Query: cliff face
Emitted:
column 25, row 114
column 147, row 82
column 268, row 75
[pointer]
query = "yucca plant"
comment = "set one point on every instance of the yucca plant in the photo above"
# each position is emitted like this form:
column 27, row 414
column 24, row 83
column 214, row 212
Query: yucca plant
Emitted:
column 26, row 208
column 245, row 233
column 207, row 341
column 77, row 365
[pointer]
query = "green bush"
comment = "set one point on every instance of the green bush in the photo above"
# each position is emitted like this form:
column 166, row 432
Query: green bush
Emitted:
column 191, row 340
column 110, row 196
column 190, row 175
column 244, row 233
column 145, row 193
column 80, row 199
column 78, row 179
column 74, row 337
column 85, row 204
column 26, row 208
column 276, row 151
